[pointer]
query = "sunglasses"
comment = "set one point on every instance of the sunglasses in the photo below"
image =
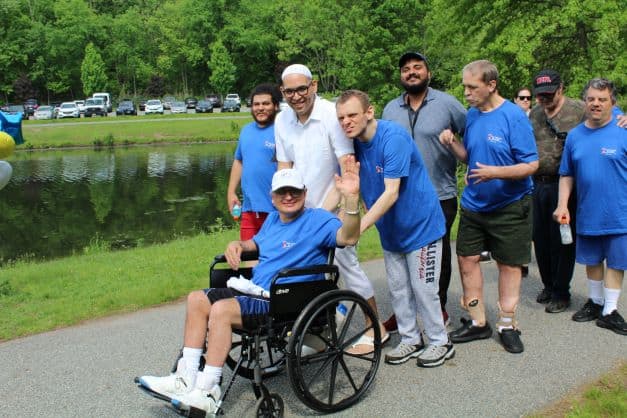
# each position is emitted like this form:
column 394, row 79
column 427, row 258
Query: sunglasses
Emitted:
column 545, row 96
column 295, row 193
column 524, row 97
column 558, row 134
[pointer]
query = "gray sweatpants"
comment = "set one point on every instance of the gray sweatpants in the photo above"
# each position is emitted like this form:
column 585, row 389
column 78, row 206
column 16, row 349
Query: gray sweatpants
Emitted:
column 413, row 282
column 352, row 274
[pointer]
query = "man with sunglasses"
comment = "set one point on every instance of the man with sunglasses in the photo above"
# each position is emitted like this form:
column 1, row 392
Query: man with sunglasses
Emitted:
column 552, row 119
column 291, row 236
column 424, row 112
column 309, row 139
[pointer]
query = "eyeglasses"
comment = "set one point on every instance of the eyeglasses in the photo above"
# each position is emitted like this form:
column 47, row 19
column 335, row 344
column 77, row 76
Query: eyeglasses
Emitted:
column 524, row 97
column 300, row 90
column 295, row 193
column 558, row 134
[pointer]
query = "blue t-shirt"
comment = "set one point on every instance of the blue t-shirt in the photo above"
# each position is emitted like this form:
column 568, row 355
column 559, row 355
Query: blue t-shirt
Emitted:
column 501, row 137
column 302, row 242
column 597, row 160
column 255, row 150
column 416, row 218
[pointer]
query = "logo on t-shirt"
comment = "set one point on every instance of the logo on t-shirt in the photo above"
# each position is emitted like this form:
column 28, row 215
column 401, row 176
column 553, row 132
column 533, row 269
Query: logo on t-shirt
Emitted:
column 287, row 244
column 608, row 151
column 268, row 144
column 378, row 169
column 494, row 139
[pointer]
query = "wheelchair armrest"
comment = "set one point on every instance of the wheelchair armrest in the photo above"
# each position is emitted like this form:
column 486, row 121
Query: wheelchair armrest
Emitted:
column 309, row 270
column 246, row 256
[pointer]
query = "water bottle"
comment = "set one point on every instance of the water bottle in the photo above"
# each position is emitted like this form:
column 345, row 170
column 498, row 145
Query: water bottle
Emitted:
column 236, row 212
column 566, row 234
column 340, row 315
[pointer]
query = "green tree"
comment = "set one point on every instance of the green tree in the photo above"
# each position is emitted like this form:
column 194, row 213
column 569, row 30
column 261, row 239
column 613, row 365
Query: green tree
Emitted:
column 93, row 73
column 222, row 77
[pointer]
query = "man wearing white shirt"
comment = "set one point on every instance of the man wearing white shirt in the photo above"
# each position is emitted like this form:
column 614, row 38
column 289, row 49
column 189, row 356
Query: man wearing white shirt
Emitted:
column 309, row 138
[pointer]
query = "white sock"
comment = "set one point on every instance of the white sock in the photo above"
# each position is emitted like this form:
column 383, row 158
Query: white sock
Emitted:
column 611, row 300
column 191, row 356
column 209, row 377
column 505, row 320
column 595, row 291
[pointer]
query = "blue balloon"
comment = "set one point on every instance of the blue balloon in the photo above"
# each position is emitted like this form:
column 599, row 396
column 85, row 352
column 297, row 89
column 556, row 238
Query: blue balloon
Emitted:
column 5, row 173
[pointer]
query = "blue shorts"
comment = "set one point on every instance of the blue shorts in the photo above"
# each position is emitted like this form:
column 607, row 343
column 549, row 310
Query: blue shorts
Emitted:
column 592, row 250
column 254, row 309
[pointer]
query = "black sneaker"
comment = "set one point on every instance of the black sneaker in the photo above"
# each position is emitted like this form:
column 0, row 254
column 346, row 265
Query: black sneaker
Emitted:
column 544, row 296
column 510, row 338
column 613, row 322
column 588, row 312
column 557, row 305
column 468, row 332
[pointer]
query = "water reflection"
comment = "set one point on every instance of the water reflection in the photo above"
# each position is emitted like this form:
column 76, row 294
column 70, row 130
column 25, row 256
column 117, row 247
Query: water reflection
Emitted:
column 59, row 202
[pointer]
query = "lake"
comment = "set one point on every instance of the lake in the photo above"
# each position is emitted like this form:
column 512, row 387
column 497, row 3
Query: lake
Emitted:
column 65, row 202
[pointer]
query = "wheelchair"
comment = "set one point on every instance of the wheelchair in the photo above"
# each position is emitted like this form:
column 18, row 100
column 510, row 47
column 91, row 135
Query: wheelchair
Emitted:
column 309, row 328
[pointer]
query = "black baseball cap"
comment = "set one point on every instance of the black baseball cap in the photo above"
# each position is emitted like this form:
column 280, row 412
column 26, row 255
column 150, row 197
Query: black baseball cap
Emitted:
column 412, row 55
column 546, row 81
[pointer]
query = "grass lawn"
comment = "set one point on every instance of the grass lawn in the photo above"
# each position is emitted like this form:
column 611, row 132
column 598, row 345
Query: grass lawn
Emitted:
column 122, row 130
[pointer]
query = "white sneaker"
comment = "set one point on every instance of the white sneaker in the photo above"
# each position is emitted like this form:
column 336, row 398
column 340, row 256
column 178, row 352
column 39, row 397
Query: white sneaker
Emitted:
column 169, row 386
column 199, row 399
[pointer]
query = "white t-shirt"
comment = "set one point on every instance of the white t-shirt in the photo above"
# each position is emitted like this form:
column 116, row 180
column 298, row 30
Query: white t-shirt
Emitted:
column 313, row 147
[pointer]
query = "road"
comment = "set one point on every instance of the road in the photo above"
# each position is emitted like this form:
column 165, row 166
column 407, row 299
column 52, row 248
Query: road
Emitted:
column 88, row 370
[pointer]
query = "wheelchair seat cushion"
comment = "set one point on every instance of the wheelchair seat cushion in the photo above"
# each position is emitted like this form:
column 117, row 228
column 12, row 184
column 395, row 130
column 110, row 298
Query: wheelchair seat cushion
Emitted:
column 254, row 309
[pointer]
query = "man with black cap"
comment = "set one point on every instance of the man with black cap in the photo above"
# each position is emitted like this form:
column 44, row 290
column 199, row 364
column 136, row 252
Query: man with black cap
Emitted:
column 551, row 119
column 425, row 112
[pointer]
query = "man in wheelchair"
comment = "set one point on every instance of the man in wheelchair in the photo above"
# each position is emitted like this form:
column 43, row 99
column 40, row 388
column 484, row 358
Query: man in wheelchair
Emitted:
column 291, row 236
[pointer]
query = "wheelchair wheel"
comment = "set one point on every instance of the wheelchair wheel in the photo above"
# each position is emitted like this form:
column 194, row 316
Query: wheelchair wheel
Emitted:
column 269, row 406
column 327, row 378
column 272, row 359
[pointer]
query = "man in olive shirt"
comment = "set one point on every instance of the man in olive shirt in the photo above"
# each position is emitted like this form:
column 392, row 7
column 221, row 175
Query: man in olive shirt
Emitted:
column 551, row 120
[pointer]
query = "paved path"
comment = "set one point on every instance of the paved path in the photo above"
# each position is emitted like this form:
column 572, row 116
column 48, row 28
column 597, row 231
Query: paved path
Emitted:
column 88, row 370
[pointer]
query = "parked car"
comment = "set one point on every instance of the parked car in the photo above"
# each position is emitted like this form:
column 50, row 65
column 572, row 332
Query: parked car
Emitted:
column 204, row 106
column 154, row 106
column 68, row 110
column 81, row 106
column 178, row 107
column 106, row 97
column 233, row 96
column 13, row 108
column 215, row 100
column 95, row 106
column 126, row 107
column 55, row 107
column 142, row 105
column 30, row 105
column 167, row 102
column 44, row 112
column 230, row 105
column 191, row 102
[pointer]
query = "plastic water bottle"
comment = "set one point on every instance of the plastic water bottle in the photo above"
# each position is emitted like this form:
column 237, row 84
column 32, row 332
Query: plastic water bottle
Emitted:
column 236, row 212
column 340, row 315
column 566, row 233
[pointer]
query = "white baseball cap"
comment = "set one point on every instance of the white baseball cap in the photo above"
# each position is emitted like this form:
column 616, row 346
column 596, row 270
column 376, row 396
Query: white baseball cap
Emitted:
column 288, row 177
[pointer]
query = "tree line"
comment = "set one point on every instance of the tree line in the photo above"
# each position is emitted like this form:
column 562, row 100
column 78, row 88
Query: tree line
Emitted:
column 63, row 49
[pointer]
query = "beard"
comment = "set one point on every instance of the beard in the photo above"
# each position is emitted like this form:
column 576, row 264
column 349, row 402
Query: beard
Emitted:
column 268, row 121
column 416, row 88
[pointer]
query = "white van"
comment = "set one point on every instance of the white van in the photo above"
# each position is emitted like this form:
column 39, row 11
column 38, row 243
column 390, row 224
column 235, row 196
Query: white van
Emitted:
column 106, row 97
